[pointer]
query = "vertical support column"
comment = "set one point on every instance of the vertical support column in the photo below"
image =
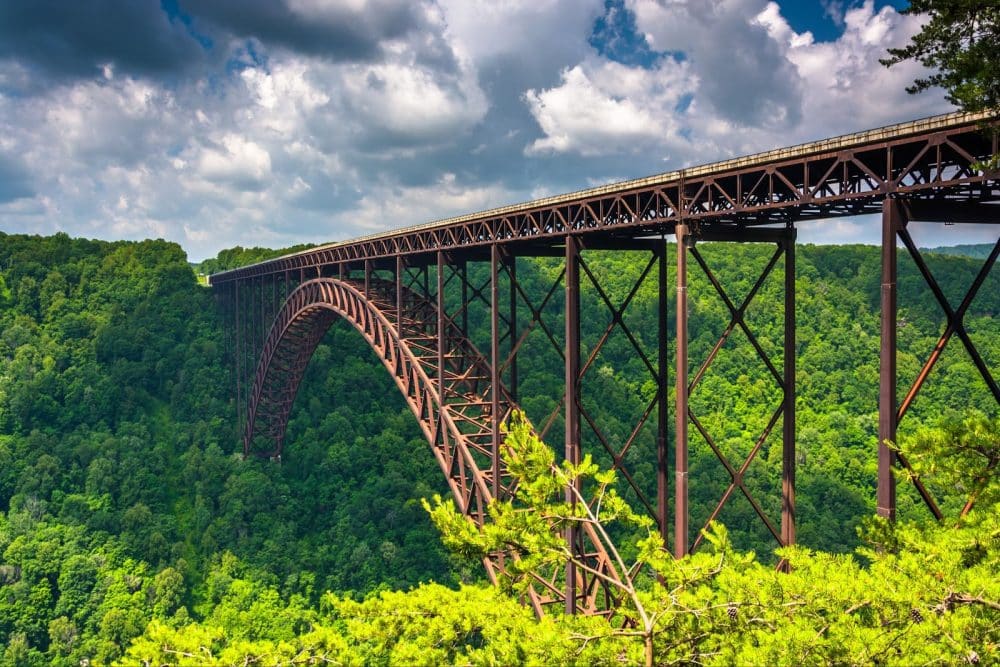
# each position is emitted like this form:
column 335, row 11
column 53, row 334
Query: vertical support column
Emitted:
column 238, row 351
column 892, row 221
column 495, row 361
column 572, row 397
column 368, row 279
column 259, row 315
column 662, row 487
column 681, row 399
column 788, row 412
column 400, row 269
column 440, row 343
column 512, row 322
column 465, row 297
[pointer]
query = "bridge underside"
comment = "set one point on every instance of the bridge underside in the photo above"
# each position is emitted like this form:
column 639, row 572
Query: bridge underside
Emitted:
column 413, row 294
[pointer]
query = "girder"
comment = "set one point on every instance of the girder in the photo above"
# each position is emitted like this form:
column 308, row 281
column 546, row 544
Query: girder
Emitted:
column 926, row 170
column 457, row 409
column 935, row 160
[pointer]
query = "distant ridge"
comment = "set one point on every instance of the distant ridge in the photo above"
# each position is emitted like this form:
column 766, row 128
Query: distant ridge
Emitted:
column 977, row 250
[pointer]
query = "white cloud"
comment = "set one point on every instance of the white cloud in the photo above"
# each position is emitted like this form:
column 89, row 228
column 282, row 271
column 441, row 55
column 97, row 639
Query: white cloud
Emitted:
column 411, row 103
column 236, row 161
column 440, row 108
column 606, row 107
column 543, row 36
column 388, row 207
column 744, row 76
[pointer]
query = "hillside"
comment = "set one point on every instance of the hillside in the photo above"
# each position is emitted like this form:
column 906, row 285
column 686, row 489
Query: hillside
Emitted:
column 124, row 497
column 975, row 250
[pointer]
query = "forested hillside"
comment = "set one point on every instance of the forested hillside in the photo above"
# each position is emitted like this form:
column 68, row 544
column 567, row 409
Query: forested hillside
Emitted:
column 978, row 250
column 125, row 500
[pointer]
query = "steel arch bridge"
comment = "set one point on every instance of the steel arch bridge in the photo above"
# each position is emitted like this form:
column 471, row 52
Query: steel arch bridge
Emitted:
column 409, row 293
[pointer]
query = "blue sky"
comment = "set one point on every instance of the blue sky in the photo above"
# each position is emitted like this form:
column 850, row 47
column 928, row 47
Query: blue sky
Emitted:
column 274, row 122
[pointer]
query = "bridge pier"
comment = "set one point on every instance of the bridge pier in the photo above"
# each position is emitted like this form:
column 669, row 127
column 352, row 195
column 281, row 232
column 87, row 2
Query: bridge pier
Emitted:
column 896, row 214
column 784, row 241
column 681, row 395
column 572, row 429
column 914, row 171
column 885, row 495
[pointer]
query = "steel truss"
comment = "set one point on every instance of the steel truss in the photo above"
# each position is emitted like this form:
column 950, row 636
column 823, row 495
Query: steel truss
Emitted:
column 784, row 240
column 448, row 385
column 412, row 294
column 936, row 159
column 896, row 214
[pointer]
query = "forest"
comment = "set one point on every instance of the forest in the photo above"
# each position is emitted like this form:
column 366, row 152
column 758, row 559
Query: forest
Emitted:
column 133, row 532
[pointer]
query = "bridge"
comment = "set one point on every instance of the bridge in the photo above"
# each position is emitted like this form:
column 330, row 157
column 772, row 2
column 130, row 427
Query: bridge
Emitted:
column 411, row 292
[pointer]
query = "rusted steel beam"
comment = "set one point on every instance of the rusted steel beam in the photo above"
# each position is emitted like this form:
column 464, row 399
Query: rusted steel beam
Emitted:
column 788, row 411
column 955, row 324
column 572, row 359
column 400, row 279
column 238, row 343
column 495, row 370
column 892, row 222
column 662, row 464
column 368, row 277
column 618, row 451
column 681, row 400
column 738, row 319
column 463, row 266
column 931, row 160
column 442, row 435
column 457, row 424
column 511, row 264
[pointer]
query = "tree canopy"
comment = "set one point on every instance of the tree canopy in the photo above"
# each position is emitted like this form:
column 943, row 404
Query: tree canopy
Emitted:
column 130, row 525
column 961, row 43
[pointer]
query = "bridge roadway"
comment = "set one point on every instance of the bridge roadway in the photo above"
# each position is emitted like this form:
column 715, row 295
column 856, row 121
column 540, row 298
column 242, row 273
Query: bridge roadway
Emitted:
column 410, row 294
column 849, row 175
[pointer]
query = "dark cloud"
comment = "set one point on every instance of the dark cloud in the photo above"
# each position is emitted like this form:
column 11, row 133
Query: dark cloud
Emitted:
column 14, row 180
column 338, row 33
column 69, row 39
column 750, row 81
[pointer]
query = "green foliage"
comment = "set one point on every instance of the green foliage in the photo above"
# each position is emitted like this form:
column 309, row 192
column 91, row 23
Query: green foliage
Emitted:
column 960, row 453
column 929, row 593
column 128, row 516
column 430, row 625
column 960, row 42
column 117, row 441
column 233, row 258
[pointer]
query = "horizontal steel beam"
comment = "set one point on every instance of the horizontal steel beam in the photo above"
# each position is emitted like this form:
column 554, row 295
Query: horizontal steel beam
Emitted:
column 932, row 159
column 967, row 212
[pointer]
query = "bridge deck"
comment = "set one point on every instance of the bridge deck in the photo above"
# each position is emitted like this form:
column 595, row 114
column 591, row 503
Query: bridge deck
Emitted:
column 932, row 157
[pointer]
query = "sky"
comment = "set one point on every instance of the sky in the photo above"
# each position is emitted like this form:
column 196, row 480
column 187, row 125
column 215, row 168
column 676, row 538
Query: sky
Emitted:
column 216, row 123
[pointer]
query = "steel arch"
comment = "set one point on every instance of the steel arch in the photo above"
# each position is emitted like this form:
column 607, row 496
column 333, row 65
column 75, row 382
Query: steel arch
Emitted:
column 457, row 423
column 297, row 329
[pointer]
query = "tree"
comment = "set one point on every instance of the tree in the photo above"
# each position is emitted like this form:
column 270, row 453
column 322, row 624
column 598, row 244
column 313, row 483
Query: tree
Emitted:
column 922, row 594
column 960, row 41
column 961, row 454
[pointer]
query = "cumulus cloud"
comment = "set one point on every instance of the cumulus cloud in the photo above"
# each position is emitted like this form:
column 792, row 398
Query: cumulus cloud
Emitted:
column 746, row 82
column 235, row 161
column 346, row 30
column 606, row 107
column 77, row 39
column 277, row 122
column 387, row 207
column 744, row 75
